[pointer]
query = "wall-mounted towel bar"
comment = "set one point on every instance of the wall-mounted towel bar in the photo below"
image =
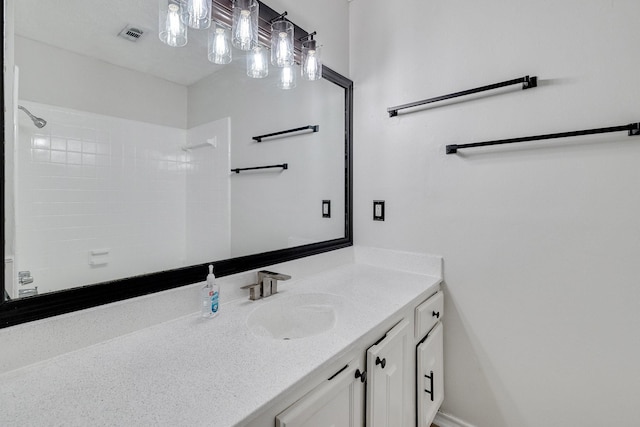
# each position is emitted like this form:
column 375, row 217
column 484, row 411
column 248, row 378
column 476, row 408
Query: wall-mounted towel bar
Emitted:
column 312, row 128
column 282, row 166
column 527, row 83
column 633, row 128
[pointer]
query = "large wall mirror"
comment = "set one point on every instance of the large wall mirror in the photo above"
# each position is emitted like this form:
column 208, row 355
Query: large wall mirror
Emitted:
column 120, row 159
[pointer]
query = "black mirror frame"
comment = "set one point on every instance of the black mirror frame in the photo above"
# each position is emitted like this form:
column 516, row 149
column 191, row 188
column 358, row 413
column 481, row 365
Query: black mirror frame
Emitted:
column 17, row 311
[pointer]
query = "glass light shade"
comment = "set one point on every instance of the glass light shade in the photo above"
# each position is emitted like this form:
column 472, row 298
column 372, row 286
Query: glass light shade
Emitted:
column 245, row 24
column 199, row 14
column 257, row 63
column 311, row 62
column 287, row 78
column 282, row 43
column 172, row 29
column 219, row 44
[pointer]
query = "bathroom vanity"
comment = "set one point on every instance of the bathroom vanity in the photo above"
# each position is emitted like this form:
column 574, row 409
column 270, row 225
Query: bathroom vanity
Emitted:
column 361, row 339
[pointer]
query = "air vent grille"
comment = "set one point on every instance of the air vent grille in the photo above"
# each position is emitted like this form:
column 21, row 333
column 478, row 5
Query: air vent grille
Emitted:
column 131, row 33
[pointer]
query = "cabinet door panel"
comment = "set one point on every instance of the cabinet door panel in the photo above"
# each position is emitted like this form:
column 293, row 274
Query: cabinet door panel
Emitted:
column 335, row 403
column 387, row 379
column 430, row 381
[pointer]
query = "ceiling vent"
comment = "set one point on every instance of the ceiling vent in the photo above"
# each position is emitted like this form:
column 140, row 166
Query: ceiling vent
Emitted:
column 133, row 34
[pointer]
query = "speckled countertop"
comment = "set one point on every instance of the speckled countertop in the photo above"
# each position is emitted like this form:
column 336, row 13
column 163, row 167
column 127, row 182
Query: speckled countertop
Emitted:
column 193, row 371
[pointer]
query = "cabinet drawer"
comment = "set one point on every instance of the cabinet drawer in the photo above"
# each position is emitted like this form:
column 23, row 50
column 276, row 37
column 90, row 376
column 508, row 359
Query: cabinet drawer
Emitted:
column 428, row 313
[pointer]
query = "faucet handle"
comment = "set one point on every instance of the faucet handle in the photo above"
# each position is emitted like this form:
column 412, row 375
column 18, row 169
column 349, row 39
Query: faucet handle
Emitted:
column 254, row 291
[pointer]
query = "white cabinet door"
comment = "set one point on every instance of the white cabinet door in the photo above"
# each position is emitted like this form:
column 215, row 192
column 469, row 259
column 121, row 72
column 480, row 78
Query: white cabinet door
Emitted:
column 337, row 402
column 388, row 378
column 430, row 376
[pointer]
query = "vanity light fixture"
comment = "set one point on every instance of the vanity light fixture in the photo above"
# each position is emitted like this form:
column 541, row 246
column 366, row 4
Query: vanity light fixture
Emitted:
column 311, row 62
column 199, row 14
column 287, row 78
column 249, row 26
column 219, row 44
column 173, row 30
column 245, row 24
column 257, row 63
column 282, row 42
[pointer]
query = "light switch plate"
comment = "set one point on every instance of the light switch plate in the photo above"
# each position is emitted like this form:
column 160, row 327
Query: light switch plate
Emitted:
column 326, row 209
column 378, row 210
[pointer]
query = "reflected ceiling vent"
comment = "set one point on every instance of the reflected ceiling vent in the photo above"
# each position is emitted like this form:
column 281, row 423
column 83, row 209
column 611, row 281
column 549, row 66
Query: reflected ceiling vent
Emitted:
column 133, row 34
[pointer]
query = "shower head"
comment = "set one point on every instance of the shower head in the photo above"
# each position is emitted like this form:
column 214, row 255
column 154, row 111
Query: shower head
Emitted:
column 40, row 123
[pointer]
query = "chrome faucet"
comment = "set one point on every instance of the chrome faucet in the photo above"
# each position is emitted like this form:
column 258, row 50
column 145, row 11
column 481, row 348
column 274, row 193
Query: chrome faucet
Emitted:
column 267, row 284
column 24, row 277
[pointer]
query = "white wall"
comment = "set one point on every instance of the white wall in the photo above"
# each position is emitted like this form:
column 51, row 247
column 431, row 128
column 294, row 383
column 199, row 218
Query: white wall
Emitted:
column 540, row 240
column 274, row 209
column 207, row 193
column 55, row 76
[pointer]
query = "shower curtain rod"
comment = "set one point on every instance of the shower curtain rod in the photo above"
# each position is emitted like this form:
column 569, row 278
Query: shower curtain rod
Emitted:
column 633, row 128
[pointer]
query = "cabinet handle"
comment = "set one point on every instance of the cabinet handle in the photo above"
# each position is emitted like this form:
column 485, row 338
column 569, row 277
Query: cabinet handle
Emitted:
column 362, row 375
column 382, row 362
column 430, row 376
column 436, row 314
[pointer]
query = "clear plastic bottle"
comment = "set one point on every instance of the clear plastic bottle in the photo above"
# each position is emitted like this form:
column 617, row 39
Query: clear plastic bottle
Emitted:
column 210, row 296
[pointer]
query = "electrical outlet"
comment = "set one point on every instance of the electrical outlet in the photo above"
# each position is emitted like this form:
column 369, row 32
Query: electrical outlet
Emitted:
column 378, row 210
column 326, row 209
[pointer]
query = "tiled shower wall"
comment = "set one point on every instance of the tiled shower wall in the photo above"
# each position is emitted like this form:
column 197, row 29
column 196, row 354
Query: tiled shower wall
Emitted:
column 100, row 198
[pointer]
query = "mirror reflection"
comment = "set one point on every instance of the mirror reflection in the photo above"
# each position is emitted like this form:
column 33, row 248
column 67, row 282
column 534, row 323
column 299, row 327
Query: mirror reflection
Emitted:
column 123, row 150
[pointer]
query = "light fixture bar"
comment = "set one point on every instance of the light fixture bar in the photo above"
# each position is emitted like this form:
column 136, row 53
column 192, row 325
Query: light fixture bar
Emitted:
column 223, row 13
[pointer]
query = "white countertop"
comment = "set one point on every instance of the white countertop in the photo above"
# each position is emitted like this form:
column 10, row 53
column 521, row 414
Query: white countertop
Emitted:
column 194, row 371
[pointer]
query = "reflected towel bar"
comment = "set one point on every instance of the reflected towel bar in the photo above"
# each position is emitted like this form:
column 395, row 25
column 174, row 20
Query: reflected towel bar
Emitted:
column 527, row 83
column 283, row 166
column 633, row 128
column 313, row 128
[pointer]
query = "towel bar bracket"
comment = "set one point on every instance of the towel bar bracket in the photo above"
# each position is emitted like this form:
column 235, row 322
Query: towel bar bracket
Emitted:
column 529, row 82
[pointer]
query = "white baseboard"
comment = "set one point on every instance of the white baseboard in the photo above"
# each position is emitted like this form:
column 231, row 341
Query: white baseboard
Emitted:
column 446, row 420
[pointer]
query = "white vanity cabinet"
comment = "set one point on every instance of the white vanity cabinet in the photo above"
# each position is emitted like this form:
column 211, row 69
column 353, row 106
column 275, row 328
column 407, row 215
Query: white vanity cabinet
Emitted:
column 338, row 401
column 388, row 379
column 402, row 385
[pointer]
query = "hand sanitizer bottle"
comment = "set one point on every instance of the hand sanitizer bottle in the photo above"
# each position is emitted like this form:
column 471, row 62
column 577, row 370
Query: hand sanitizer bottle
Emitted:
column 210, row 295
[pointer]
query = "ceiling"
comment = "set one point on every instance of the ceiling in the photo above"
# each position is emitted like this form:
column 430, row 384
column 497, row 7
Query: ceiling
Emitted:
column 91, row 27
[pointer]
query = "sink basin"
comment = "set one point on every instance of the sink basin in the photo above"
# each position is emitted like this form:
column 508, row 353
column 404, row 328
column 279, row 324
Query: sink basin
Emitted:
column 295, row 316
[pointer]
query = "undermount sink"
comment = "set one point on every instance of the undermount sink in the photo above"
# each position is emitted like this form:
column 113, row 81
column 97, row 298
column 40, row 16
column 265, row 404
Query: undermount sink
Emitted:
column 295, row 316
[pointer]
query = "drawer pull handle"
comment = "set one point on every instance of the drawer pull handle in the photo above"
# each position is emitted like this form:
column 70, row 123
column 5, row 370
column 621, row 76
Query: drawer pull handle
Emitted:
column 436, row 314
column 430, row 376
column 381, row 362
column 362, row 375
